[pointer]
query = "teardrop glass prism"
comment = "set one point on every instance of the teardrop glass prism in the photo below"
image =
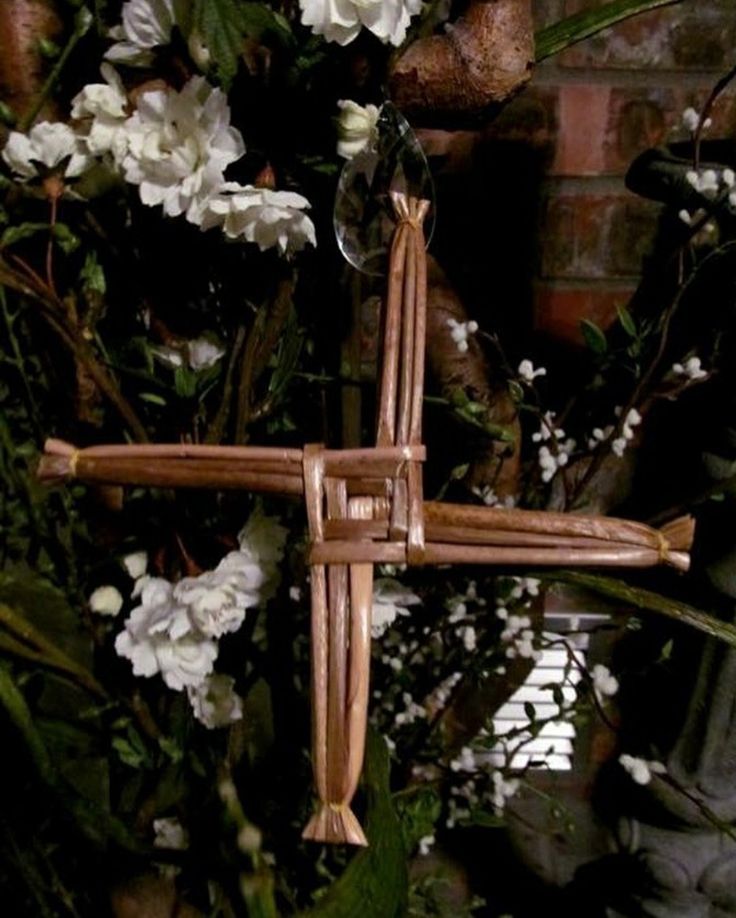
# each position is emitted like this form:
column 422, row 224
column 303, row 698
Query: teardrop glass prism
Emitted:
column 363, row 218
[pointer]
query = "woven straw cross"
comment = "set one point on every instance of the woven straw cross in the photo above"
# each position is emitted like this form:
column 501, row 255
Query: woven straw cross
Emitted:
column 364, row 507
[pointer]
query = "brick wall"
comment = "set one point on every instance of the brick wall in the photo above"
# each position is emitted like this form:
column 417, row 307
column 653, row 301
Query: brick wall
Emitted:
column 594, row 108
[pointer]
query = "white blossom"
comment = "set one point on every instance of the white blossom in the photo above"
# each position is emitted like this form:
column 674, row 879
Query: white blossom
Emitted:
column 464, row 761
column 159, row 637
column 357, row 128
column 217, row 600
column 632, row 420
column 267, row 218
column 106, row 600
column 426, row 843
column 412, row 711
column 729, row 178
column 604, row 683
column 527, row 372
column 705, row 182
column 489, row 497
column 170, row 834
column 100, row 110
column 691, row 369
column 262, row 541
column 215, row 703
column 641, row 770
column 525, row 586
column 203, row 353
column 390, row 599
column 503, row 789
column 187, row 661
column 136, row 564
column 461, row 331
column 469, row 637
column 341, row 20
column 146, row 25
column 691, row 119
column 179, row 144
column 548, row 429
column 49, row 144
column 550, row 462
column 599, row 435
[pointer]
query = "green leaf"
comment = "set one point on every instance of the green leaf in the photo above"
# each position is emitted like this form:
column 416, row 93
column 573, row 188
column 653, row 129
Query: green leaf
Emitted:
column 67, row 240
column 594, row 337
column 419, row 809
column 646, row 599
column 222, row 25
column 15, row 234
column 127, row 754
column 92, row 275
column 152, row 399
column 530, row 710
column 94, row 823
column 185, row 382
column 627, row 322
column 572, row 29
column 375, row 883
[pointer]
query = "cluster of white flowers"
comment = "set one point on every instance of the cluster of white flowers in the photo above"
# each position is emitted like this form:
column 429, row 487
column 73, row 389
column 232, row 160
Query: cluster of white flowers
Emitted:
column 518, row 633
column 632, row 420
column 175, row 628
column 461, row 331
column 412, row 711
column 641, row 770
column 709, row 183
column 469, row 794
column 390, row 599
column 49, row 145
column 341, row 20
column 599, row 435
column 357, row 128
column 198, row 354
column 691, row 369
column 527, row 373
column 175, row 146
column 489, row 497
column 691, row 119
column 551, row 460
column 605, row 684
column 525, row 587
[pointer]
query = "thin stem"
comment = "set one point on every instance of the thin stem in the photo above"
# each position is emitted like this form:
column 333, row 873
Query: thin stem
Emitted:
column 639, row 389
column 54, row 204
column 82, row 22
column 216, row 429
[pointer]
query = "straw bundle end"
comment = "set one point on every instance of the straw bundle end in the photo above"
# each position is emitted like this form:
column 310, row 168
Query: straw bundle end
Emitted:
column 335, row 824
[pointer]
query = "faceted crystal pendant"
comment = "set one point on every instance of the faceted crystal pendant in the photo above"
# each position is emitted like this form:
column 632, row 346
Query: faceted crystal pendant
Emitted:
column 363, row 218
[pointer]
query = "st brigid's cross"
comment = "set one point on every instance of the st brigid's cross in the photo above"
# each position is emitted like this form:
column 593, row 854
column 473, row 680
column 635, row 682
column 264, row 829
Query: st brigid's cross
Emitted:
column 365, row 507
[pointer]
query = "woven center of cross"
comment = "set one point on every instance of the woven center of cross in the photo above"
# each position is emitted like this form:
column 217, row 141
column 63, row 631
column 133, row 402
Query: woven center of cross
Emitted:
column 365, row 507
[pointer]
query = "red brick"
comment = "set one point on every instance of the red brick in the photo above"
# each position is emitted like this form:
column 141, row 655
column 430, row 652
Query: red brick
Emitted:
column 596, row 236
column 698, row 35
column 559, row 309
column 583, row 120
column 602, row 128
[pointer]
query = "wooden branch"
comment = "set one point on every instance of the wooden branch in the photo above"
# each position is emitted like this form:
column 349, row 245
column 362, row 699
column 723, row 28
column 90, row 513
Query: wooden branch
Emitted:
column 482, row 59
